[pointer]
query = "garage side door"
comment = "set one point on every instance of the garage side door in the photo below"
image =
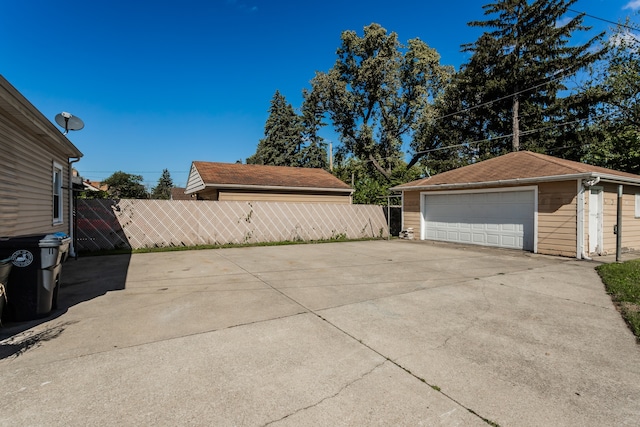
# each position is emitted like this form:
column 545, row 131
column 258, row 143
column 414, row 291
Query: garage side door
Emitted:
column 504, row 219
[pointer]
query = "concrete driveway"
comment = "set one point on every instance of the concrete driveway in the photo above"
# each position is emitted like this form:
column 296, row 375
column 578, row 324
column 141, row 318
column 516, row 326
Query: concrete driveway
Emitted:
column 357, row 333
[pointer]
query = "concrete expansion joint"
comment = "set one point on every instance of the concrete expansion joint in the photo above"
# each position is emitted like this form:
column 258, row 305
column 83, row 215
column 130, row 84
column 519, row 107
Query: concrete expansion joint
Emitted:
column 439, row 390
column 334, row 395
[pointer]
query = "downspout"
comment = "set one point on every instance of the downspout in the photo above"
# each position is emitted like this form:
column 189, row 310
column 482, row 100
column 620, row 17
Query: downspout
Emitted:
column 72, row 217
column 585, row 185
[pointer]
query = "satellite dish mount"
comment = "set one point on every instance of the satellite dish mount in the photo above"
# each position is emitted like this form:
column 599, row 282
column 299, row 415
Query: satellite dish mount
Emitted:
column 69, row 122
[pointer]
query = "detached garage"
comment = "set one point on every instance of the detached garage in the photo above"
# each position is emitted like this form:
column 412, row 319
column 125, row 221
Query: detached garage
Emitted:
column 526, row 201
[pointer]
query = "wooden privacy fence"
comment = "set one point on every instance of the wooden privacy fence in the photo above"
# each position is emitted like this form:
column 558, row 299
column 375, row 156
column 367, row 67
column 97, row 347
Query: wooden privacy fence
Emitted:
column 135, row 224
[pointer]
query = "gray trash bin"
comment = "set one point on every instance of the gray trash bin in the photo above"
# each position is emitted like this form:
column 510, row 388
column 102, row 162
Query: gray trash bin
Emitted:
column 32, row 288
column 5, row 269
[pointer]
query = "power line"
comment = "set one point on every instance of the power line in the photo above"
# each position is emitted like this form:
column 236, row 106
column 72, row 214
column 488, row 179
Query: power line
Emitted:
column 484, row 104
column 605, row 20
column 526, row 132
column 559, row 77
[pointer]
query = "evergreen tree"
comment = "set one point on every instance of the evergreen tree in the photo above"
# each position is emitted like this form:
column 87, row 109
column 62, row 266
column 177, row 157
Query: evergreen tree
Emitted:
column 507, row 96
column 314, row 153
column 282, row 140
column 163, row 189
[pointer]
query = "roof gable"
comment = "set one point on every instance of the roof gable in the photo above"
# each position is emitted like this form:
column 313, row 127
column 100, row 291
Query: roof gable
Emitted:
column 519, row 165
column 234, row 175
column 32, row 123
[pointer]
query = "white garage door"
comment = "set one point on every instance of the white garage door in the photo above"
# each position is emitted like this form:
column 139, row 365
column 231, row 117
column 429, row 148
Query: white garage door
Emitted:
column 502, row 218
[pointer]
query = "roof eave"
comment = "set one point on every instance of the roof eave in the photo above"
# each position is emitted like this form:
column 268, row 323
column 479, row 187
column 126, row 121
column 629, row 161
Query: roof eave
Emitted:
column 497, row 183
column 12, row 99
column 522, row 181
column 276, row 187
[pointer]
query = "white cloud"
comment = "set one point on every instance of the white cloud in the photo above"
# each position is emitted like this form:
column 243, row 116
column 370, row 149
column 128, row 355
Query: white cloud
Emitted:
column 633, row 5
column 626, row 39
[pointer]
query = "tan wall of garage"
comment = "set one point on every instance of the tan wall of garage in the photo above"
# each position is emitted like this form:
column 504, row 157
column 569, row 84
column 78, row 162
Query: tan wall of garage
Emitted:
column 557, row 218
column 630, row 224
column 411, row 212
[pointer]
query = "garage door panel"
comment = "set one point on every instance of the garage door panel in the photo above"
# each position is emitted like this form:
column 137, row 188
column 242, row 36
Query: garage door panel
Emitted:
column 503, row 219
column 465, row 237
column 479, row 238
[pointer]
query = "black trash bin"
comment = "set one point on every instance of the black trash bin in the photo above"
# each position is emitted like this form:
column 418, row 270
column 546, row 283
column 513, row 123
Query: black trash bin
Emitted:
column 32, row 288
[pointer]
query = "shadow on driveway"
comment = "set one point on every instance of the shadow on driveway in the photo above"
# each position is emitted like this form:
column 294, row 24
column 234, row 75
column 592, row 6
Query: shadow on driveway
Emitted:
column 82, row 279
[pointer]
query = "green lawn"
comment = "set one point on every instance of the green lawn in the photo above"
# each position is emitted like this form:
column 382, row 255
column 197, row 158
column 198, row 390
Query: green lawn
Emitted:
column 622, row 282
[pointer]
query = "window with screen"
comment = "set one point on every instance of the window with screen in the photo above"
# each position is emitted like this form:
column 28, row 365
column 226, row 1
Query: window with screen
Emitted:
column 57, row 193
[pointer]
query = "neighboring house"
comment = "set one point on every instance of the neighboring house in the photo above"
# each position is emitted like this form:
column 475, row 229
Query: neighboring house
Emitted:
column 526, row 201
column 177, row 193
column 35, row 169
column 88, row 185
column 238, row 182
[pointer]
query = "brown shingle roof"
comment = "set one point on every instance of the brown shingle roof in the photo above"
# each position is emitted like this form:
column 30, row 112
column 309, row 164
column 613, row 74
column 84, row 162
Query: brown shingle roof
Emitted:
column 520, row 165
column 234, row 174
column 177, row 193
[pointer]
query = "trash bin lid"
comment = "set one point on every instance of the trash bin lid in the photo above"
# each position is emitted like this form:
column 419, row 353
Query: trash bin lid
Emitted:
column 55, row 239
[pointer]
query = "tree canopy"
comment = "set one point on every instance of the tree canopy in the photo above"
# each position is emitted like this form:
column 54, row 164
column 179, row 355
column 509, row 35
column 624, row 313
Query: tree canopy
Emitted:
column 289, row 139
column 613, row 134
column 531, row 82
column 376, row 91
column 512, row 92
column 125, row 186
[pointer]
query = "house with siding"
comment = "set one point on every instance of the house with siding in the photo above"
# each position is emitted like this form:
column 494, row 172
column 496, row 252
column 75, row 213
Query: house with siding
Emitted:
column 239, row 182
column 35, row 169
column 527, row 201
column 177, row 193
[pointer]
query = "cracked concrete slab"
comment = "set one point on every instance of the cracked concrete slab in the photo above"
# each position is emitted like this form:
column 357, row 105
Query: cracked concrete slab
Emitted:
column 352, row 333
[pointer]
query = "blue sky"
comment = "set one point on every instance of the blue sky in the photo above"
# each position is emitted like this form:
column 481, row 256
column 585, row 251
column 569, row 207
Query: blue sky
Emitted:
column 161, row 83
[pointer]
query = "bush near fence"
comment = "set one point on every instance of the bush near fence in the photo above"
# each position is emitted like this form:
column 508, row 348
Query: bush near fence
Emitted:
column 136, row 224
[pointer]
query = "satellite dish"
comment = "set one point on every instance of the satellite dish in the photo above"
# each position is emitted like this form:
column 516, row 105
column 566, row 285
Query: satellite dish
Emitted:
column 69, row 122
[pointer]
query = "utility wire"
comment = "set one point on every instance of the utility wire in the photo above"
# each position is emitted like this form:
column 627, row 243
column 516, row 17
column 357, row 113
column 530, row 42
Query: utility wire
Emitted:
column 526, row 132
column 605, row 20
column 484, row 104
column 559, row 77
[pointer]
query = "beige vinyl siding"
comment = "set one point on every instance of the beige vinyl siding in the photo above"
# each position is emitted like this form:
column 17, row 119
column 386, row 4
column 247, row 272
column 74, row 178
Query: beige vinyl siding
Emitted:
column 236, row 196
column 557, row 215
column 411, row 211
column 194, row 183
column 26, row 190
column 9, row 202
column 630, row 224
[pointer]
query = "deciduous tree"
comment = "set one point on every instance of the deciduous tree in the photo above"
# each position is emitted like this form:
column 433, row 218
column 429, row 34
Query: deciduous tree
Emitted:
column 376, row 91
column 614, row 131
column 125, row 186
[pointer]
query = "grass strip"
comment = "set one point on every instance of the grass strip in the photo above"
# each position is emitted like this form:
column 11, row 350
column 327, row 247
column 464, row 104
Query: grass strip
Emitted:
column 622, row 282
